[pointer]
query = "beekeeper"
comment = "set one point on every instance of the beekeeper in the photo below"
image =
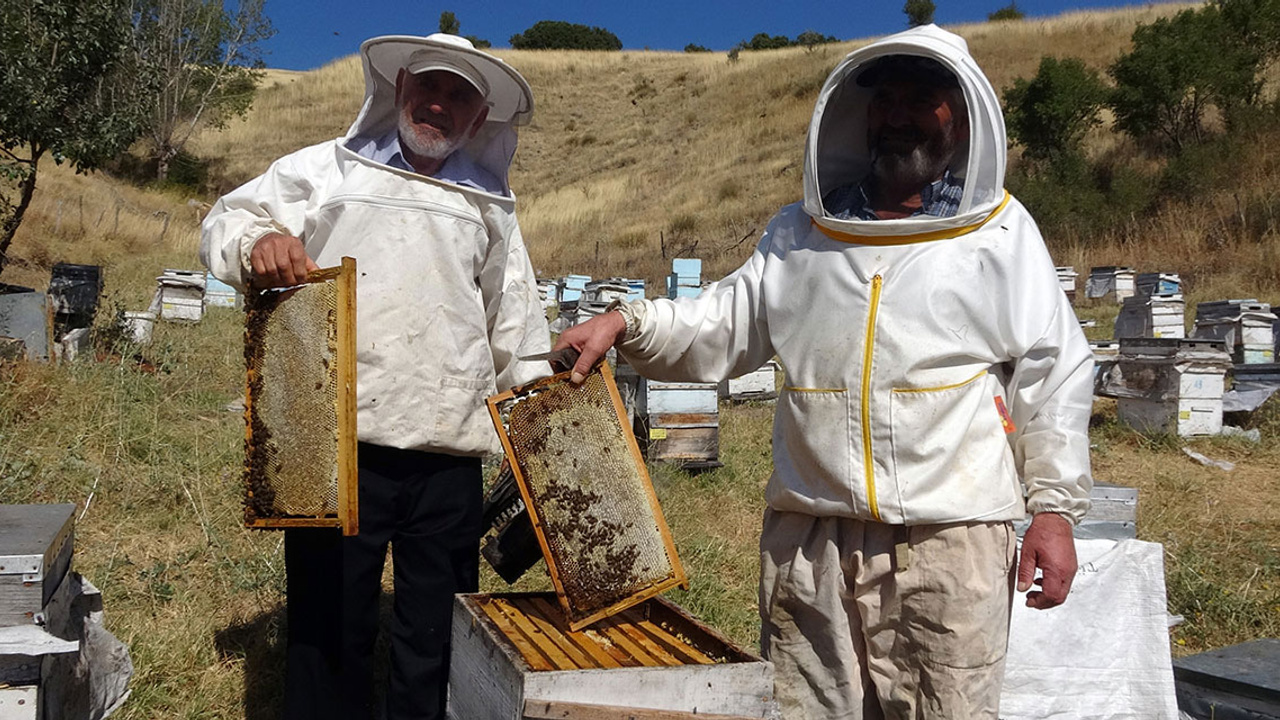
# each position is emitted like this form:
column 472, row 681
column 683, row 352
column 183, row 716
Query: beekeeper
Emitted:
column 937, row 388
column 417, row 193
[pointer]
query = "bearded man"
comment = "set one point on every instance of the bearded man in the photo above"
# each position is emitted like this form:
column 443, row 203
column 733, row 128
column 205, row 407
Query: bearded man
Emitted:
column 417, row 193
column 938, row 388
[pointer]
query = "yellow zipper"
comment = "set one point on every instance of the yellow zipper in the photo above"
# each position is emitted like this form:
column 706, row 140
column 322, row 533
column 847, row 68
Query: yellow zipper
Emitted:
column 868, row 347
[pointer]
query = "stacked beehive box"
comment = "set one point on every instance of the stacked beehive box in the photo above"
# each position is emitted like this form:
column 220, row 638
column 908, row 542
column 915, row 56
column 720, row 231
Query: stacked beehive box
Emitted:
column 680, row 422
column 1246, row 326
column 180, row 295
column 1157, row 283
column 685, row 279
column 1170, row 385
column 36, row 543
column 1156, row 316
column 1110, row 282
column 572, row 287
column 1067, row 281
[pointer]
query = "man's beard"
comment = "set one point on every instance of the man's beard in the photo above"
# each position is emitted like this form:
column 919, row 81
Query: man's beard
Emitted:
column 911, row 167
column 431, row 145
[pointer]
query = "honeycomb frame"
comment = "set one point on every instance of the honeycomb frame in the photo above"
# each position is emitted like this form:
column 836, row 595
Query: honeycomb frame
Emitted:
column 261, row 513
column 587, row 514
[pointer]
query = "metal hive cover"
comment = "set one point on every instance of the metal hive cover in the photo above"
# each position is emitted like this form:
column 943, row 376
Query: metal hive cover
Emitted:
column 584, row 482
column 300, row 404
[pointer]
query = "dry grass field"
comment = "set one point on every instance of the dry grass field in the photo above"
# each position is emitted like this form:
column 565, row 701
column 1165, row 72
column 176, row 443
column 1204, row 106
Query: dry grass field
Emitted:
column 627, row 151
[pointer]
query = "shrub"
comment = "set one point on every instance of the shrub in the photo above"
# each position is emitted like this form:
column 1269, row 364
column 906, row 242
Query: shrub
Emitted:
column 1050, row 113
column 692, row 48
column 810, row 39
column 919, row 12
column 1008, row 12
column 560, row 35
column 1180, row 67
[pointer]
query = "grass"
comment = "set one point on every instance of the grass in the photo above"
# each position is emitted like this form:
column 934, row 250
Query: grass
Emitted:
column 707, row 152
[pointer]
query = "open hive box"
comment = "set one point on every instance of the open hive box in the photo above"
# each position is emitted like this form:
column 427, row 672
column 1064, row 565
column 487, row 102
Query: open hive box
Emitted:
column 514, row 658
column 300, row 405
column 604, row 645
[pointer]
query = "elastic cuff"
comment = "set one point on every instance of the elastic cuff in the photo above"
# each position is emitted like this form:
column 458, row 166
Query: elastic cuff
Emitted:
column 630, row 312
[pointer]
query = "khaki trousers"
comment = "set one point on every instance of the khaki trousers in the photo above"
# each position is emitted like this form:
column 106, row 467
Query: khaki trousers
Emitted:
column 867, row 620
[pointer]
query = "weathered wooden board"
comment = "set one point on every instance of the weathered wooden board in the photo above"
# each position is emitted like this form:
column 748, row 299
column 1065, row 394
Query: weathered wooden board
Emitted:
column 36, row 543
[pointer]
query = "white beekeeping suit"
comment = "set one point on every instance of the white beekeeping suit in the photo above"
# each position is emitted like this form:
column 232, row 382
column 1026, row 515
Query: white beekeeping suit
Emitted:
column 446, row 298
column 937, row 384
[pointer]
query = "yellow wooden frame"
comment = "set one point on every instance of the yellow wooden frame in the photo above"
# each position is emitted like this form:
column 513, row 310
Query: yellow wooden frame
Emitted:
column 678, row 576
column 347, row 517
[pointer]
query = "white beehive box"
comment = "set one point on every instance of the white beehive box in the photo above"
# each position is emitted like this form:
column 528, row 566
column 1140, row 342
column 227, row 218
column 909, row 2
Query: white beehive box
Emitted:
column 759, row 384
column 1110, row 282
column 36, row 543
column 511, row 660
column 181, row 295
column 1170, row 385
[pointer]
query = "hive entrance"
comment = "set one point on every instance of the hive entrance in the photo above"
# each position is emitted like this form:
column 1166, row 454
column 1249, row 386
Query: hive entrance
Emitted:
column 580, row 472
column 300, row 404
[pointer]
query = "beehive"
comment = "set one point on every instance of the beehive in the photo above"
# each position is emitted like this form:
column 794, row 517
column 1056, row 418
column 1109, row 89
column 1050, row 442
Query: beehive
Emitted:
column 514, row 657
column 597, row 519
column 300, row 435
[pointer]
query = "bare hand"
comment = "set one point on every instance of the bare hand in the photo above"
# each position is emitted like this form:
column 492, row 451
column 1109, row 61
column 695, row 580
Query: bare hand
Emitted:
column 593, row 339
column 279, row 261
column 1047, row 545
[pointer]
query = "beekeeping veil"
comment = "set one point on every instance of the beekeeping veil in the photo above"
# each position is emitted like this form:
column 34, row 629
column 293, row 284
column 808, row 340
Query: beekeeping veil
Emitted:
column 836, row 151
column 509, row 98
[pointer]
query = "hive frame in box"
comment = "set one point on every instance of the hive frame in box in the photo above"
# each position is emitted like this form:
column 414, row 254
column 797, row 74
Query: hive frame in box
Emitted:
column 347, row 516
column 560, row 383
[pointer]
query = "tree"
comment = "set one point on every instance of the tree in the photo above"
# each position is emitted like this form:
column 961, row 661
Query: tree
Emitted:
column 693, row 48
column 810, row 39
column 209, row 63
column 1050, row 113
column 765, row 41
column 1178, row 68
column 1008, row 12
column 449, row 23
column 560, row 35
column 68, row 89
column 919, row 12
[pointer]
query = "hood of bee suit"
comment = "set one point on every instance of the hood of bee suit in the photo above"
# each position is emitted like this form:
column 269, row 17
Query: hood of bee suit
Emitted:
column 836, row 150
column 509, row 98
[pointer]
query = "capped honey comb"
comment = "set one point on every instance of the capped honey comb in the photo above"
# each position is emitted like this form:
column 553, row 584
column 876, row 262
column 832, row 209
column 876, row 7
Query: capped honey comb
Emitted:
column 300, row 435
column 588, row 493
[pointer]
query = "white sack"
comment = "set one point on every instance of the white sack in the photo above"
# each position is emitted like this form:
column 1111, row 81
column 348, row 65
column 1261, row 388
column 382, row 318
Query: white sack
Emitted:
column 1102, row 654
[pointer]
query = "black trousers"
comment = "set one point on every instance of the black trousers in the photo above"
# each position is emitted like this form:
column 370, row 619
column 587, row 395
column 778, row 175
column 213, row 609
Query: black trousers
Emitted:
column 428, row 507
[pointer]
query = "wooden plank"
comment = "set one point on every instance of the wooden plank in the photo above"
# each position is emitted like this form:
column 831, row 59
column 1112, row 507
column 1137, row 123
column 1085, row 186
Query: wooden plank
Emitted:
column 620, row 638
column 528, row 651
column 551, row 630
column 291, row 522
column 601, row 656
column 558, row 710
column 675, row 645
column 548, row 648
column 644, row 640
column 348, row 473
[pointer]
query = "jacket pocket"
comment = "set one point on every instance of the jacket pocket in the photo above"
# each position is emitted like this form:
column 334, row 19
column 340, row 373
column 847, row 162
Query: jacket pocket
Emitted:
column 462, row 417
column 812, row 444
column 951, row 459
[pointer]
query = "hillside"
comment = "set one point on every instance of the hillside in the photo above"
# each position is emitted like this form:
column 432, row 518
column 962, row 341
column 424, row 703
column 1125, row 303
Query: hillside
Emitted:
column 625, row 149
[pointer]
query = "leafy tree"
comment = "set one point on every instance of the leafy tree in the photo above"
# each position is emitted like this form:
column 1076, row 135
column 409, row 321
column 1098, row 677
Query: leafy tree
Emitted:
column 561, row 35
column 692, row 48
column 765, row 41
column 1050, row 113
column 919, row 12
column 1008, row 12
column 449, row 23
column 1178, row 68
column 68, row 89
column 811, row 39
column 208, row 60
column 480, row 43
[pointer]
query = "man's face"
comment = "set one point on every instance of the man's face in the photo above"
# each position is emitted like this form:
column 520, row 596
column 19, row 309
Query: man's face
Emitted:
column 437, row 112
column 913, row 129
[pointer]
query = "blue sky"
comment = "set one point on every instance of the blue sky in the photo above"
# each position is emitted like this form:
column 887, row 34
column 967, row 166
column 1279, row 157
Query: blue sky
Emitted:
column 310, row 34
